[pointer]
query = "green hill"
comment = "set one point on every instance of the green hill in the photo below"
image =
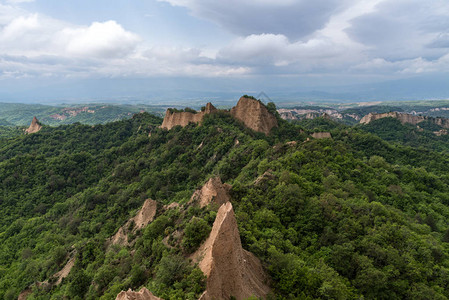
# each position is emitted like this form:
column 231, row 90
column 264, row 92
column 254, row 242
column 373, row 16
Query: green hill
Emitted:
column 349, row 217
column 21, row 114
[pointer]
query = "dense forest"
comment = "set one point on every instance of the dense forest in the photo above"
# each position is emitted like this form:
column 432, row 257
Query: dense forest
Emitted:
column 361, row 215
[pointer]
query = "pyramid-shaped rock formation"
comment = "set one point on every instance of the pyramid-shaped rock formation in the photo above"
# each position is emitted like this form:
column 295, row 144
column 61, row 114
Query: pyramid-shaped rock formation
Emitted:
column 143, row 217
column 143, row 294
column 254, row 115
column 173, row 118
column 214, row 191
column 230, row 270
column 35, row 126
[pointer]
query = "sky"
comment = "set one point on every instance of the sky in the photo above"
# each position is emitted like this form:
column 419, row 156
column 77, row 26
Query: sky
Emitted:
column 53, row 50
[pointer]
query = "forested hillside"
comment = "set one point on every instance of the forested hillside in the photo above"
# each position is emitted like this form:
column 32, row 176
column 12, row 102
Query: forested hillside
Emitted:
column 358, row 215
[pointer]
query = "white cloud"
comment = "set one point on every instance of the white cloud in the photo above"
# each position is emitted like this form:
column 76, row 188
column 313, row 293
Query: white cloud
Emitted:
column 277, row 50
column 99, row 40
column 20, row 26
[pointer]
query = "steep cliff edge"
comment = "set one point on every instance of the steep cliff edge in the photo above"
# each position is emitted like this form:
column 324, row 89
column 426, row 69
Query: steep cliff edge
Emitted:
column 405, row 118
column 230, row 270
column 254, row 115
column 214, row 191
column 143, row 294
column 35, row 126
column 173, row 118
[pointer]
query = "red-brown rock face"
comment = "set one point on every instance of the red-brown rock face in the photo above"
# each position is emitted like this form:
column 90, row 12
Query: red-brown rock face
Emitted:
column 254, row 115
column 173, row 119
column 34, row 126
column 143, row 294
column 214, row 191
column 230, row 270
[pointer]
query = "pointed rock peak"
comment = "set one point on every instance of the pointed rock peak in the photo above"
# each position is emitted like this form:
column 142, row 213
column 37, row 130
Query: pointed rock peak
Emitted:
column 35, row 126
column 143, row 217
column 209, row 108
column 143, row 294
column 214, row 191
column 230, row 270
column 254, row 115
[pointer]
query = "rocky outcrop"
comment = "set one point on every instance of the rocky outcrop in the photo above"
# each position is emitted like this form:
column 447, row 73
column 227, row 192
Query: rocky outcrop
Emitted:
column 214, row 191
column 230, row 270
column 314, row 115
column 56, row 279
column 321, row 135
column 248, row 110
column 254, row 115
column 440, row 132
column 65, row 270
column 143, row 294
column 35, row 126
column 405, row 119
column 173, row 118
column 24, row 294
column 266, row 176
column 143, row 217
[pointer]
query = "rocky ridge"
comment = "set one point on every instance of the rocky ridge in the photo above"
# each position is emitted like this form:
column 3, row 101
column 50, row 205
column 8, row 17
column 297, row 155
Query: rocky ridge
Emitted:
column 143, row 294
column 405, row 118
column 35, row 126
column 231, row 271
column 173, row 118
column 251, row 112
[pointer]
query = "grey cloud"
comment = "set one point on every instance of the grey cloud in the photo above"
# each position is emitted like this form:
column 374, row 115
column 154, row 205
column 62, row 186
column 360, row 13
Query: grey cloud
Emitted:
column 441, row 41
column 294, row 19
column 401, row 29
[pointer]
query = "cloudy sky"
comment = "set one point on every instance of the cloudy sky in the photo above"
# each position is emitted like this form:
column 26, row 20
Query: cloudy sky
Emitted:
column 145, row 48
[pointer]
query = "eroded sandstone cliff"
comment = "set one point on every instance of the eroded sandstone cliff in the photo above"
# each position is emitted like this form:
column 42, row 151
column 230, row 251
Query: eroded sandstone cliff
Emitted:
column 405, row 118
column 173, row 118
column 230, row 270
column 143, row 294
column 214, row 191
column 254, row 115
column 143, row 217
column 35, row 126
